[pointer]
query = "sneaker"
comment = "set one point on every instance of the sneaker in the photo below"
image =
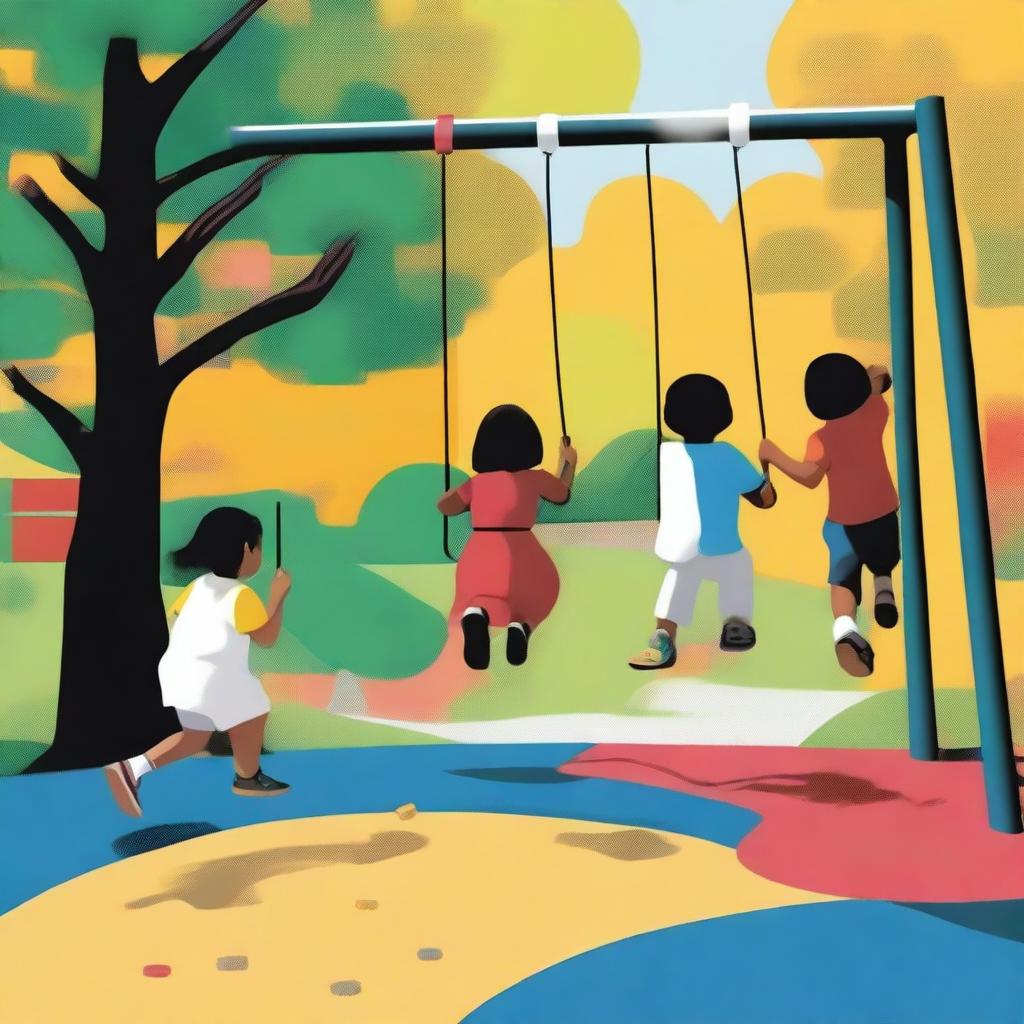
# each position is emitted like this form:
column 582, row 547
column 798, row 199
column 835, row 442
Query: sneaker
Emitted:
column 737, row 635
column 660, row 654
column 124, row 787
column 517, row 643
column 886, row 612
column 259, row 785
column 855, row 655
column 476, row 648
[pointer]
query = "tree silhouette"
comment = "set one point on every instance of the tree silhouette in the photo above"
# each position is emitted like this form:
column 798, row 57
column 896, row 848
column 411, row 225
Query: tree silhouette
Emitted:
column 114, row 624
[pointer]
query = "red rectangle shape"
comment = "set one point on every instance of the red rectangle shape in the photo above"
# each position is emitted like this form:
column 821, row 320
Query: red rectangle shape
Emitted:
column 41, row 539
column 45, row 495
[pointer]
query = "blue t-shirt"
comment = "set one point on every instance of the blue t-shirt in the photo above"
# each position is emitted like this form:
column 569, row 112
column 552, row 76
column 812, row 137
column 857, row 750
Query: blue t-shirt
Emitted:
column 721, row 474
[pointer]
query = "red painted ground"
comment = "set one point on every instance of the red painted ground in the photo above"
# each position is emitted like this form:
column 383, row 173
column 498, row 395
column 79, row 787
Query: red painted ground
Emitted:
column 865, row 824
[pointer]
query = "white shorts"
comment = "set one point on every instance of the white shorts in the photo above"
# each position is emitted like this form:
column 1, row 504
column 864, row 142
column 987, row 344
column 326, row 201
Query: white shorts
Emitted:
column 733, row 573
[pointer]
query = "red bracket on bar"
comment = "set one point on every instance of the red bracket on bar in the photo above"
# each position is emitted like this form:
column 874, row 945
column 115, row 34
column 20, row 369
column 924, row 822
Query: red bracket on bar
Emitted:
column 444, row 133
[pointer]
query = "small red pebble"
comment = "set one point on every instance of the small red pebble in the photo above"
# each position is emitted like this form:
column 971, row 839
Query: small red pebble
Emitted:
column 156, row 970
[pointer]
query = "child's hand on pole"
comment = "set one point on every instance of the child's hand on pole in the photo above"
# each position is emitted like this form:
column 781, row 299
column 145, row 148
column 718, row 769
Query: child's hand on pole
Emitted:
column 280, row 585
column 567, row 452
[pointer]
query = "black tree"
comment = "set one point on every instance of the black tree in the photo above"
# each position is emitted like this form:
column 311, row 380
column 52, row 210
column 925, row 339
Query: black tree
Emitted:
column 115, row 628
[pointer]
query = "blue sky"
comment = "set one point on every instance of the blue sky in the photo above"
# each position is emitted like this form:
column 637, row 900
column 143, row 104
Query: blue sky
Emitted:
column 695, row 54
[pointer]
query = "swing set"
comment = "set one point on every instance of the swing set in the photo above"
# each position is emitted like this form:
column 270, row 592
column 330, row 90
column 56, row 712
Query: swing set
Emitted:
column 738, row 126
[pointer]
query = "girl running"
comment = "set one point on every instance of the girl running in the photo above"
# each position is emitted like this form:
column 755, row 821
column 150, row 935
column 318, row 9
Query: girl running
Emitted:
column 504, row 577
column 205, row 672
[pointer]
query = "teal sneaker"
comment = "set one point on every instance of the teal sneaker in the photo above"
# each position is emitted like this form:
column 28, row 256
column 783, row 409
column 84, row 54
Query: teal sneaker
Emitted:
column 660, row 654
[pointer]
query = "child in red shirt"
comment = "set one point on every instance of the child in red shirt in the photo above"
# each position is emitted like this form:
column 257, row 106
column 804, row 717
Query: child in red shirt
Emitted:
column 861, row 528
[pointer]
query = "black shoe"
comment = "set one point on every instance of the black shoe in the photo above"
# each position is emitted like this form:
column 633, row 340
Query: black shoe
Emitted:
column 737, row 636
column 259, row 785
column 476, row 648
column 517, row 643
column 855, row 655
column 886, row 613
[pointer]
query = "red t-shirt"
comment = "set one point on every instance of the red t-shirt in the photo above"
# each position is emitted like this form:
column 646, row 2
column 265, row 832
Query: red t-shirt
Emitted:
column 510, row 499
column 850, row 451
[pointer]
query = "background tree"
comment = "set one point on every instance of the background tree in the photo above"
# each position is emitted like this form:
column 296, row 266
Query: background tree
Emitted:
column 114, row 623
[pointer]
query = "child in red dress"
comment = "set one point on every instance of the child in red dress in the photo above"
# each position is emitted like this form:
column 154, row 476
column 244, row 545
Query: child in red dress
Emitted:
column 504, row 577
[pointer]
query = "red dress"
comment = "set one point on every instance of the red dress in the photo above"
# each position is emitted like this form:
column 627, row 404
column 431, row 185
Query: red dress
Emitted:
column 508, row 574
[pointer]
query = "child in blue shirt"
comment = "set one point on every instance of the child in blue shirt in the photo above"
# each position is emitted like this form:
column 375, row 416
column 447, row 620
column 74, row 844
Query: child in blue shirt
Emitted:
column 702, row 481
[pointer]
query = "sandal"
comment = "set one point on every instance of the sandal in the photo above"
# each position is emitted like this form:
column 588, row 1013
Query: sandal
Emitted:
column 660, row 654
column 737, row 636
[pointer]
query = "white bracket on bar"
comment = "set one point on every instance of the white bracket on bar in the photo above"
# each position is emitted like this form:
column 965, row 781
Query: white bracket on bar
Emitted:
column 739, row 124
column 547, row 132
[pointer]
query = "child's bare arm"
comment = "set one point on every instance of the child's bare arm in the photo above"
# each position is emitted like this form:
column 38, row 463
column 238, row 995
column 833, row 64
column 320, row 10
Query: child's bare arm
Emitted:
column 764, row 496
column 267, row 634
column 451, row 503
column 809, row 472
column 881, row 380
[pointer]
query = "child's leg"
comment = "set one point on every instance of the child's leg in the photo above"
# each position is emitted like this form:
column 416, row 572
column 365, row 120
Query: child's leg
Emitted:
column 246, row 744
column 735, row 576
column 673, row 608
column 174, row 748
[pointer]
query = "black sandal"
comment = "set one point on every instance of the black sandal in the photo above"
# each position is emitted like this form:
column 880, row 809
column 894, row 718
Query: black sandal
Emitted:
column 856, row 656
column 737, row 636
column 886, row 612
column 517, row 643
column 476, row 647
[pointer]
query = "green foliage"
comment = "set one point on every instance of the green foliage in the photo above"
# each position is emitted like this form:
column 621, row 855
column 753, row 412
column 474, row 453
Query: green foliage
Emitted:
column 297, row 727
column 26, row 432
column 617, row 485
column 43, row 319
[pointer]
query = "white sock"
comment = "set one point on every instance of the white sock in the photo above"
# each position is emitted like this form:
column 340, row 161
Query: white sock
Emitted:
column 472, row 611
column 843, row 626
column 139, row 766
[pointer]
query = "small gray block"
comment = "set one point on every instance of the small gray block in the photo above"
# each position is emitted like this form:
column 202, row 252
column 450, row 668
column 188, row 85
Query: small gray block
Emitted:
column 232, row 963
column 429, row 953
column 346, row 988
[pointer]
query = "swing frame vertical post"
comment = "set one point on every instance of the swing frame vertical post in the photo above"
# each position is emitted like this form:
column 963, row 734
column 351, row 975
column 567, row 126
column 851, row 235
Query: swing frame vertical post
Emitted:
column 1001, row 783
column 924, row 742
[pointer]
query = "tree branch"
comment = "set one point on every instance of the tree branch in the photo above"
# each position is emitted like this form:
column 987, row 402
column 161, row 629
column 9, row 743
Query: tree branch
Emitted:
column 298, row 299
column 85, row 255
column 204, row 228
column 171, row 183
column 172, row 85
column 68, row 427
column 85, row 183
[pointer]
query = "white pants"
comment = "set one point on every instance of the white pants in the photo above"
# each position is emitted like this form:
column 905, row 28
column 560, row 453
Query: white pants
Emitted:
column 733, row 573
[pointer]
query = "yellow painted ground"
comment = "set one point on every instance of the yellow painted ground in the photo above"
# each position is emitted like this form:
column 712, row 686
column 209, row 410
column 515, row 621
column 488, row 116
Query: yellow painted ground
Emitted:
column 502, row 896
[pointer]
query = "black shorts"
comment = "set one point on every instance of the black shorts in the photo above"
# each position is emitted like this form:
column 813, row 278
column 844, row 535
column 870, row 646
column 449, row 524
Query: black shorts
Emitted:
column 875, row 544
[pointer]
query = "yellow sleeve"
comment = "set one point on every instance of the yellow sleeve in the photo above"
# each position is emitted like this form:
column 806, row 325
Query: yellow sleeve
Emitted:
column 179, row 601
column 250, row 614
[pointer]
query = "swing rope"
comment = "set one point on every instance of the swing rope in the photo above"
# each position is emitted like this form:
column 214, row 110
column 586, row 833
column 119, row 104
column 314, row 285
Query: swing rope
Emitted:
column 443, row 145
column 657, row 337
column 750, row 287
column 551, row 281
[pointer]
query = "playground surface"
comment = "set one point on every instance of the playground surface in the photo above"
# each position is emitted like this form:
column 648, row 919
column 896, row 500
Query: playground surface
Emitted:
column 536, row 883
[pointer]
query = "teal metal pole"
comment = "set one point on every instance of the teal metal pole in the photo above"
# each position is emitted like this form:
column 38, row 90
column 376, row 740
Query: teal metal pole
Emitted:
column 1001, row 786
column 924, row 743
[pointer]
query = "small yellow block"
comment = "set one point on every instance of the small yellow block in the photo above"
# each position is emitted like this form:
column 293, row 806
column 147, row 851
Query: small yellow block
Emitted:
column 406, row 811
column 366, row 904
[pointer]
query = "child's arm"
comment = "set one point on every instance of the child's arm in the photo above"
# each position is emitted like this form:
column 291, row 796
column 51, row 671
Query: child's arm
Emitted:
column 451, row 503
column 267, row 634
column 881, row 380
column 557, row 489
column 764, row 496
column 809, row 472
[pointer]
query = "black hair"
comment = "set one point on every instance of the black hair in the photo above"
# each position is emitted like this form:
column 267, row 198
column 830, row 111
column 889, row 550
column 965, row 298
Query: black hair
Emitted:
column 218, row 543
column 697, row 407
column 507, row 439
column 835, row 385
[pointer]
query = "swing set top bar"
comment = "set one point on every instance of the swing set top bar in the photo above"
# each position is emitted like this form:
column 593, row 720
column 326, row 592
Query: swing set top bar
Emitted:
column 582, row 130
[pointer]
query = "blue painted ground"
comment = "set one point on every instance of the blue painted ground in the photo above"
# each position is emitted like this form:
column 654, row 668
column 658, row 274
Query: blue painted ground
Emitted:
column 841, row 963
column 58, row 826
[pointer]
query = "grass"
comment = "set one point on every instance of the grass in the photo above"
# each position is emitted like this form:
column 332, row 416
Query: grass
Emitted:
column 297, row 727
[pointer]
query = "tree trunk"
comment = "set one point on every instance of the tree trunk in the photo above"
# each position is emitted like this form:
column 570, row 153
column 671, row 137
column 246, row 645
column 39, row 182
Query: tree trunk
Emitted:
column 115, row 629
